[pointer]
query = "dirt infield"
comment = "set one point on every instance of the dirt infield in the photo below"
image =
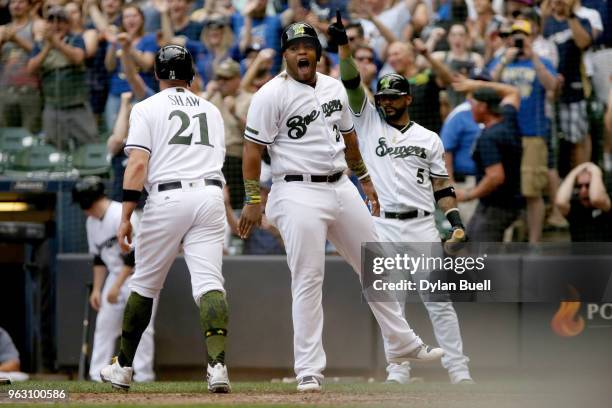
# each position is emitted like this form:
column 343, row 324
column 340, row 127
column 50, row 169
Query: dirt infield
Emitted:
column 324, row 399
column 512, row 393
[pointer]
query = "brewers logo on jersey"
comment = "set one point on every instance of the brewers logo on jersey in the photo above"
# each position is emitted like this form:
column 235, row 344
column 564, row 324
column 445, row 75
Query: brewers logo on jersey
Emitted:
column 411, row 155
column 303, row 128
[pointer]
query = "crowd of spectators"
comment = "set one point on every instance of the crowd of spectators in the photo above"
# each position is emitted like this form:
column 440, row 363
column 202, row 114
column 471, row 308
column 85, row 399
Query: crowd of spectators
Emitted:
column 70, row 70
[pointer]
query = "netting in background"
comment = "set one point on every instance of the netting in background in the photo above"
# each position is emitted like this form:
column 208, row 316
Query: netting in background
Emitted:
column 58, row 109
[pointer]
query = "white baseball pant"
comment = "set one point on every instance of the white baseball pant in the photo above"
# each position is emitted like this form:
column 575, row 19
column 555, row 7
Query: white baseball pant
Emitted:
column 192, row 216
column 442, row 314
column 108, row 328
column 307, row 214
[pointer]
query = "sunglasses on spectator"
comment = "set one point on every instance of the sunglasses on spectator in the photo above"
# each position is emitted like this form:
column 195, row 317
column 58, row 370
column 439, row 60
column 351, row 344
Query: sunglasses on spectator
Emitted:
column 218, row 23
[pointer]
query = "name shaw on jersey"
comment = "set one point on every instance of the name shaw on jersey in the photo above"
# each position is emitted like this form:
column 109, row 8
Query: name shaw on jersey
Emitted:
column 177, row 100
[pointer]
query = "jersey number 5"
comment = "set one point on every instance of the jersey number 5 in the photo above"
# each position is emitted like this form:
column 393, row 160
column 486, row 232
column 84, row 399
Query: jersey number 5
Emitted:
column 420, row 176
column 178, row 138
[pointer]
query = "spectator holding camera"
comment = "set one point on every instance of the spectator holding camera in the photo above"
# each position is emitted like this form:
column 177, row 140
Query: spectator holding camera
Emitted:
column 584, row 200
column 546, row 49
column 533, row 76
column 59, row 61
column 20, row 98
column 572, row 35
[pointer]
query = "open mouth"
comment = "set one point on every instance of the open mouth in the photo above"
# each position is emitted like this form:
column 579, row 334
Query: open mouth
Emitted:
column 303, row 65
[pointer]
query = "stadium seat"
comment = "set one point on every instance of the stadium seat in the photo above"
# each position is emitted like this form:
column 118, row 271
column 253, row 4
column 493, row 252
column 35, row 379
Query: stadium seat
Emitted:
column 91, row 159
column 36, row 158
column 12, row 139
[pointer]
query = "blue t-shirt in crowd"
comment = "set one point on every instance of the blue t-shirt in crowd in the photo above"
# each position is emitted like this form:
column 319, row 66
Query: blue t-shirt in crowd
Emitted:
column 522, row 74
column 118, row 85
column 458, row 135
column 570, row 56
column 192, row 31
column 97, row 75
column 204, row 59
column 266, row 31
column 501, row 143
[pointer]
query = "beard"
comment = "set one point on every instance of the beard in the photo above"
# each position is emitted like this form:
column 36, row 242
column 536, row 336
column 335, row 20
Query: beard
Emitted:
column 392, row 117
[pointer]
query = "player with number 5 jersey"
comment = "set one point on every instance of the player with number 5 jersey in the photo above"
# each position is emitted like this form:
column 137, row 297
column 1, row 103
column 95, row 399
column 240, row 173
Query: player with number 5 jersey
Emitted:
column 406, row 162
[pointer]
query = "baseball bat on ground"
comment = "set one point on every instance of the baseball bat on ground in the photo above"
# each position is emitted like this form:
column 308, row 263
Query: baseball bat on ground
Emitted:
column 85, row 335
column 456, row 242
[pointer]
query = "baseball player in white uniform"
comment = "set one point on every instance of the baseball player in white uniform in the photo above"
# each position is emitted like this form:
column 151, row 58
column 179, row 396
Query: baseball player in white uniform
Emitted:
column 302, row 118
column 406, row 163
column 110, row 293
column 176, row 148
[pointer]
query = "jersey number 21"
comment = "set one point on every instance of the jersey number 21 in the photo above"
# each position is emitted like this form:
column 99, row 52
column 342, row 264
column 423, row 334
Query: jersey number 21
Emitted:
column 179, row 138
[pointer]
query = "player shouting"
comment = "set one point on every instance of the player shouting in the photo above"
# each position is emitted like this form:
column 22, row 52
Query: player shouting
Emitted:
column 302, row 117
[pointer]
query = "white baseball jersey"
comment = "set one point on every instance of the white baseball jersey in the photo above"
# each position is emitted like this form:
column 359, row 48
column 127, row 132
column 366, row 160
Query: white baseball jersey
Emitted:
column 102, row 237
column 400, row 162
column 170, row 125
column 302, row 126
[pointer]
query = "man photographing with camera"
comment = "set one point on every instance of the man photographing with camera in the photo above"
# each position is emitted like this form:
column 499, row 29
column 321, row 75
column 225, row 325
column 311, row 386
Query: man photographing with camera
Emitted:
column 521, row 67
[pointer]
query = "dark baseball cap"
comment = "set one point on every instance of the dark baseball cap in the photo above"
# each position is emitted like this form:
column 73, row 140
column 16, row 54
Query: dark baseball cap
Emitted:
column 490, row 97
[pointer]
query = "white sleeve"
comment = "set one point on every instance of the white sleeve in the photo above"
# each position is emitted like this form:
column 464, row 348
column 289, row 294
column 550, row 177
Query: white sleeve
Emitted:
column 346, row 120
column 437, row 166
column 93, row 250
column 139, row 135
column 262, row 119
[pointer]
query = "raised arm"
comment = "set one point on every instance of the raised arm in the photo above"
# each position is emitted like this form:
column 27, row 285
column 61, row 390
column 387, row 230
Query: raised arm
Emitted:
column 265, row 56
column 349, row 74
column 137, row 84
column 581, row 36
column 510, row 94
column 564, row 193
column 444, row 74
column 598, row 196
